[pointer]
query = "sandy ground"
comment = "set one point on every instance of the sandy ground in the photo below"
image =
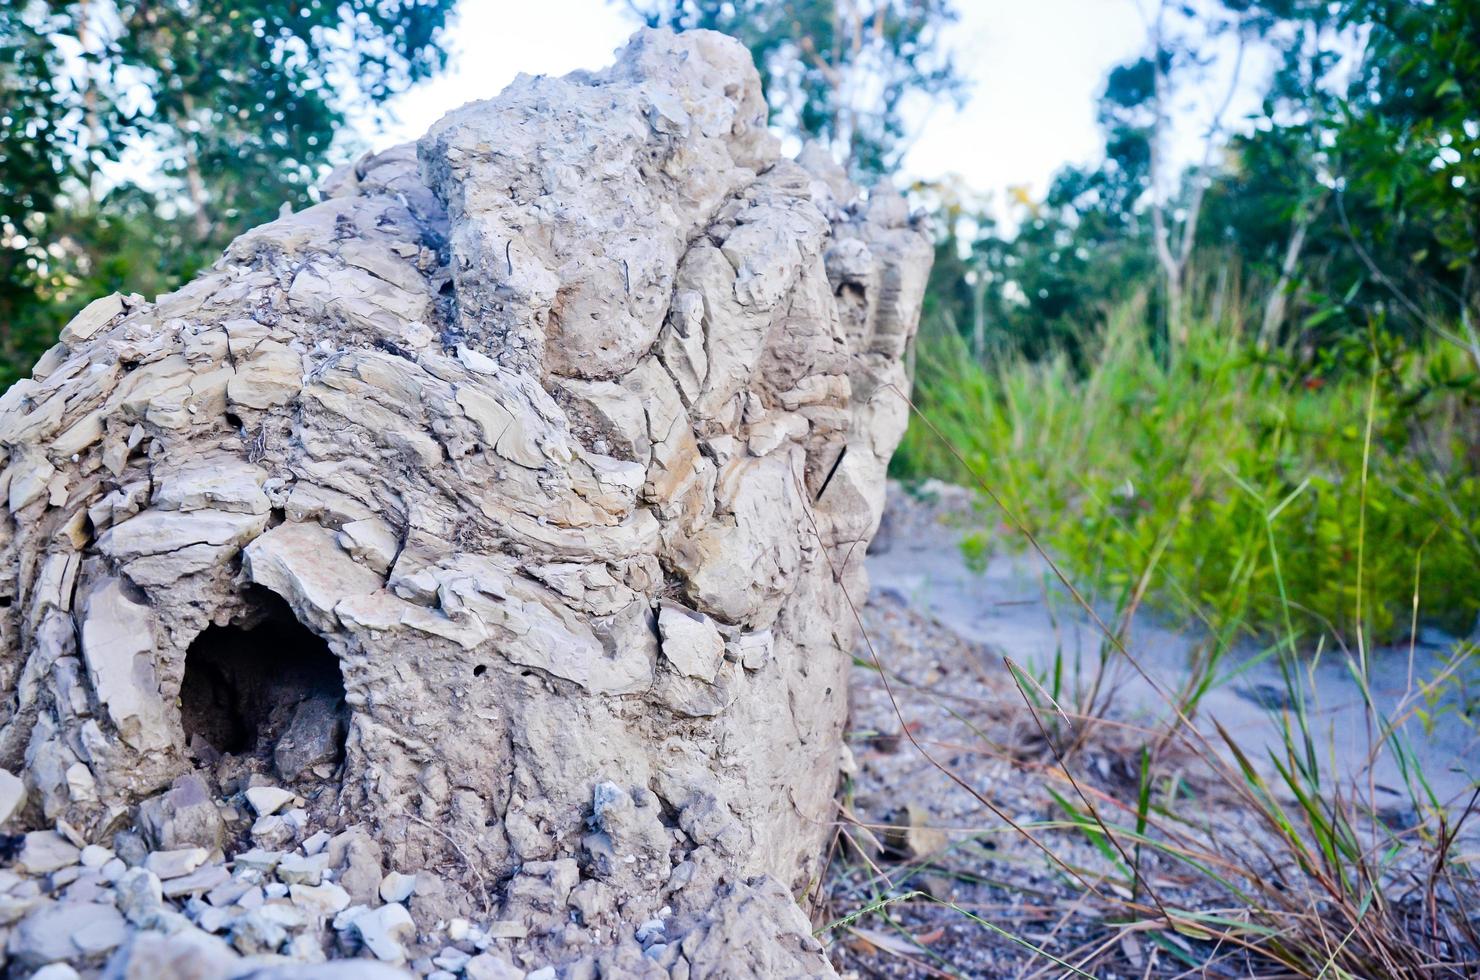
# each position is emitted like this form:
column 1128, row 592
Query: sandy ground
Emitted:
column 948, row 757
column 1018, row 608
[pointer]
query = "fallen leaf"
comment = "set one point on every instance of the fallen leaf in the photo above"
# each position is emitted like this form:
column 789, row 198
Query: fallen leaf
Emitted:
column 884, row 941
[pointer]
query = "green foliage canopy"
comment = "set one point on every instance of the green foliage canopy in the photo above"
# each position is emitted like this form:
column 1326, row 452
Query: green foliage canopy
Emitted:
column 137, row 137
column 1349, row 195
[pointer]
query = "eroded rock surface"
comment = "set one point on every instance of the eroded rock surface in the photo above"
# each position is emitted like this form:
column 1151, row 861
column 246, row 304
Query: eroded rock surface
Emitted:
column 504, row 504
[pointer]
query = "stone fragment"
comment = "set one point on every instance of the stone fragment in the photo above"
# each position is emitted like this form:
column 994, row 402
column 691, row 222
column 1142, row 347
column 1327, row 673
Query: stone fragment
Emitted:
column 753, row 650
column 451, row 959
column 189, row 954
column 691, row 641
column 272, row 832
column 140, row 895
column 384, row 930
column 913, row 834
column 267, row 800
column 182, row 816
column 71, row 833
column 313, row 738
column 118, row 648
column 487, row 966
column 160, row 532
column 95, row 856
column 212, row 919
column 89, row 886
column 66, row 930
column 130, row 847
column 305, row 565
column 225, row 485
column 12, row 794
column 346, row 919
column 371, row 541
column 43, row 851
column 506, row 929
column 355, row 857
column 297, row 869
column 92, row 318
column 258, row 859
column 356, row 969
column 14, row 906
column 320, row 900
column 176, row 863
column 396, row 887
column 256, row 932
column 228, row 892
column 197, row 882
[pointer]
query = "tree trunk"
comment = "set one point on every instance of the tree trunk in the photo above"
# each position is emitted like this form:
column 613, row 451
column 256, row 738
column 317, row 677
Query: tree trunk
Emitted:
column 979, row 318
column 506, row 507
column 195, row 185
column 1278, row 300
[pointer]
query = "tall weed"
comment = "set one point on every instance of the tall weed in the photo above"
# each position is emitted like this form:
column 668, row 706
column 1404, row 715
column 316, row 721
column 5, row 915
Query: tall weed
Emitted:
column 1134, row 460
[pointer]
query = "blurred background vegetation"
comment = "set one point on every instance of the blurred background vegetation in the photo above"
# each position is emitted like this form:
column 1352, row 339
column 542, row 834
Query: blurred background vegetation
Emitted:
column 137, row 138
column 1202, row 383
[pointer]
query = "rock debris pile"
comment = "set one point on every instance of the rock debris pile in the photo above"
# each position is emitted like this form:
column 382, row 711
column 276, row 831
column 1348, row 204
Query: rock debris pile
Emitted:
column 491, row 523
column 144, row 914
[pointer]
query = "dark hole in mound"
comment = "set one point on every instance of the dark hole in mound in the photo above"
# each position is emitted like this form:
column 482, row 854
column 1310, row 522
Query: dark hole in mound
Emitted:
column 268, row 687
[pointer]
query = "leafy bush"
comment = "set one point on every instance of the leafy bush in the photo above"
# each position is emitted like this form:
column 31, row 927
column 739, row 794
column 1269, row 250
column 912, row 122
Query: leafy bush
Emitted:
column 1186, row 471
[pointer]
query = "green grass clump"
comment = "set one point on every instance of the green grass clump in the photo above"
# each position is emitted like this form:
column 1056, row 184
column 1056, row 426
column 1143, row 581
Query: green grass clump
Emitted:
column 1147, row 470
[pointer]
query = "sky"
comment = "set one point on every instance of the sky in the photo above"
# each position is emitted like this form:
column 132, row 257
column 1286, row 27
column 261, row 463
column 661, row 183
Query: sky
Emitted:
column 1036, row 68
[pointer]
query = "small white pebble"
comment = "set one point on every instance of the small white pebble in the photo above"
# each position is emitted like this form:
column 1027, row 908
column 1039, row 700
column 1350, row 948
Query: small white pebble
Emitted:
column 397, row 887
column 451, row 958
column 95, row 856
column 266, row 800
column 346, row 918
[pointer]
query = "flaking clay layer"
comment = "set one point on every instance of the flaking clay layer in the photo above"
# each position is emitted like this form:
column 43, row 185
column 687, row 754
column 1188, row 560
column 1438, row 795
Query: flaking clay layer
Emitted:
column 499, row 514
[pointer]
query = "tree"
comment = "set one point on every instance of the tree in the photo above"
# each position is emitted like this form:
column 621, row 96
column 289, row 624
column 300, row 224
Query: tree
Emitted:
column 1411, row 147
column 172, row 127
column 839, row 71
column 34, row 153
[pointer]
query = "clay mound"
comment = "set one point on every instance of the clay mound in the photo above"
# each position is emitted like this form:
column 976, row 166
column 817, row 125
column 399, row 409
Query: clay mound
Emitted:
column 500, row 504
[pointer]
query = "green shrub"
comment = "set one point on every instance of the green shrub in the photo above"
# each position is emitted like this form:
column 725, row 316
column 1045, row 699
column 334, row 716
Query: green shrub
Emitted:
column 1141, row 464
